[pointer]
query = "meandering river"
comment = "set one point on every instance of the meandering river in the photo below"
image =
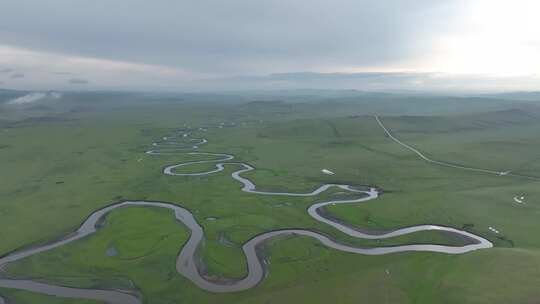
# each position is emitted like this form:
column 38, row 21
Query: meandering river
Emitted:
column 186, row 261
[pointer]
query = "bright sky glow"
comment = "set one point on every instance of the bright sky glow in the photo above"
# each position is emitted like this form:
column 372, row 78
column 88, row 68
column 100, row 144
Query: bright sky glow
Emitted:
column 498, row 37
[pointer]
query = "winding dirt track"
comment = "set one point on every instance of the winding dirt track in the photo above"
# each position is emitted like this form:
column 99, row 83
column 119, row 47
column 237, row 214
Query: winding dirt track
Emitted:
column 186, row 260
column 446, row 164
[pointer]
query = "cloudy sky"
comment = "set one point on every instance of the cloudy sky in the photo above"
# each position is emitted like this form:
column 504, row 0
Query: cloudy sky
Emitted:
column 246, row 44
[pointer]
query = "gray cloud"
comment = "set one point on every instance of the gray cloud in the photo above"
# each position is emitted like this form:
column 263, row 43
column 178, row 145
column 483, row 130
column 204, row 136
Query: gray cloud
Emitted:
column 16, row 75
column 62, row 73
column 205, row 45
column 228, row 37
column 78, row 81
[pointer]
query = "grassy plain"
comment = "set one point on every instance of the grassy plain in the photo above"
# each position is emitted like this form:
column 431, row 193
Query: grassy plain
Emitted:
column 56, row 171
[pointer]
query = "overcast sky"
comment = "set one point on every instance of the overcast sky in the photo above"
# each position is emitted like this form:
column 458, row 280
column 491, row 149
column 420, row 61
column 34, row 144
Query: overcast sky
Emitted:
column 241, row 44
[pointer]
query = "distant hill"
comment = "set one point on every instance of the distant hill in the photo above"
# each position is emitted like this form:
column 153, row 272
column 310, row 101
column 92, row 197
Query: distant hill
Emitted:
column 7, row 95
column 522, row 96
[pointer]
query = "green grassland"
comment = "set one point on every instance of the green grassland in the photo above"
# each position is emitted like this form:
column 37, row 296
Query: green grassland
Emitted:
column 28, row 297
column 56, row 171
